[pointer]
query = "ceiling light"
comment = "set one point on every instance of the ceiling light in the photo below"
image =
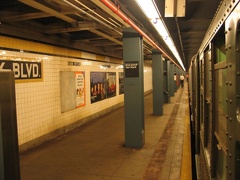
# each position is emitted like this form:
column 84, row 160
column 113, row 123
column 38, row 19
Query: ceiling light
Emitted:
column 3, row 53
column 150, row 9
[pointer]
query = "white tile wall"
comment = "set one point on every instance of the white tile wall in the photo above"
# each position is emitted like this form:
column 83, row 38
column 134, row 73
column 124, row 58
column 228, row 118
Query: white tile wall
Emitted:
column 39, row 103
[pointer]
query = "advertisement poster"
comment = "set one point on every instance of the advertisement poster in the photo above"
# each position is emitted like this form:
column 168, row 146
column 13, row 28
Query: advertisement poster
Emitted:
column 80, row 89
column 111, row 84
column 121, row 84
column 102, row 85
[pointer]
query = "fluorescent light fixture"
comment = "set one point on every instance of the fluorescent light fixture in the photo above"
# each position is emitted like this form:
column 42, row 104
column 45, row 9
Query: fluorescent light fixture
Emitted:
column 105, row 66
column 150, row 9
column 119, row 67
column 3, row 53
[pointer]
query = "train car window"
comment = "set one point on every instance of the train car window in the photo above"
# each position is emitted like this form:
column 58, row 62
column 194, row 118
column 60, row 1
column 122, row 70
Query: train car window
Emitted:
column 207, row 103
column 201, row 69
column 220, row 52
column 208, row 75
column 220, row 106
column 220, row 90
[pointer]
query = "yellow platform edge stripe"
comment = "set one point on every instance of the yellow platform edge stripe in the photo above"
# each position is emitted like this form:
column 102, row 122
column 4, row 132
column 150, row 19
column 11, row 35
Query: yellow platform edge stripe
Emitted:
column 186, row 170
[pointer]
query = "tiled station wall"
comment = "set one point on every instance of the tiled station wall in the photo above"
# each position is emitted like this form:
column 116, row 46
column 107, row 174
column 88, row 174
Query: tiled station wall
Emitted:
column 39, row 114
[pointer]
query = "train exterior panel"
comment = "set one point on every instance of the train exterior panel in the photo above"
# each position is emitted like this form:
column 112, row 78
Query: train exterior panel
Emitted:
column 214, row 77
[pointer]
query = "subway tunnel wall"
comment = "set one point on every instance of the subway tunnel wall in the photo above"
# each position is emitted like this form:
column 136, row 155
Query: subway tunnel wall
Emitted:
column 54, row 88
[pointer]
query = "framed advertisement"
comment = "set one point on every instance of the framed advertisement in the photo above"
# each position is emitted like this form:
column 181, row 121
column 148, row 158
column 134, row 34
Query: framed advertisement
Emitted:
column 80, row 88
column 72, row 88
column 102, row 85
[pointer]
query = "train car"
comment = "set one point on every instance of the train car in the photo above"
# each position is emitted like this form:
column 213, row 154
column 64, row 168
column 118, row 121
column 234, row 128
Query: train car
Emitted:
column 214, row 92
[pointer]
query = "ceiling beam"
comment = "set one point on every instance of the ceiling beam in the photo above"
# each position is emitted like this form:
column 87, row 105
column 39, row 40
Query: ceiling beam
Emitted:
column 105, row 43
column 57, row 14
column 29, row 16
column 106, row 36
column 48, row 10
column 80, row 26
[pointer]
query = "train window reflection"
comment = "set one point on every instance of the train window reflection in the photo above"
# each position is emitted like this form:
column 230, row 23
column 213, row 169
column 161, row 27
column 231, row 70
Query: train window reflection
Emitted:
column 220, row 51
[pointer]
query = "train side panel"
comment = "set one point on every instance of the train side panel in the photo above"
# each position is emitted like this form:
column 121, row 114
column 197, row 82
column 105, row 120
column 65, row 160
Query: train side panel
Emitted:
column 215, row 100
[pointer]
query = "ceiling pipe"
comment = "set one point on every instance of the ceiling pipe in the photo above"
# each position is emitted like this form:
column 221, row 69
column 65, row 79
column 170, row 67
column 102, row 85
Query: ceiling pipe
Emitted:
column 92, row 11
column 134, row 26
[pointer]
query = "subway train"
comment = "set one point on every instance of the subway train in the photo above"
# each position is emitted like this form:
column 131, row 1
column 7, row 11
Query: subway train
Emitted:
column 214, row 94
column 59, row 89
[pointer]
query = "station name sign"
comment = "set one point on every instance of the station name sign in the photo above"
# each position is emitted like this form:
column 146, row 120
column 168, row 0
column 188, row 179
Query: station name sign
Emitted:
column 23, row 69
column 131, row 69
column 71, row 63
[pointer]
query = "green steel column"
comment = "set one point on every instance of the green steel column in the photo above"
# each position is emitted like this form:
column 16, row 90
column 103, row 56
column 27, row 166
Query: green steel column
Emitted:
column 178, row 76
column 168, row 81
column 176, row 70
column 171, row 79
column 157, row 78
column 9, row 153
column 133, row 88
column 165, row 81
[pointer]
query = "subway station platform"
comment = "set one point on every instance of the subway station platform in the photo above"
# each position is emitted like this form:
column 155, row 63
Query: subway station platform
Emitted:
column 96, row 150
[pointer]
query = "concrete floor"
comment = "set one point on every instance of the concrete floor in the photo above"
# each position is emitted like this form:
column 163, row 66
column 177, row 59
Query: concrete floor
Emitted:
column 96, row 150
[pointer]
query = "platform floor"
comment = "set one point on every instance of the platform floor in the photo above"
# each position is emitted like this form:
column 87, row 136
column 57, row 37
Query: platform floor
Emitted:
column 96, row 150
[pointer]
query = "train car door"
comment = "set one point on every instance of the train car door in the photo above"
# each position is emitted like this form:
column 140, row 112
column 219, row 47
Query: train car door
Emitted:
column 196, row 108
column 220, row 106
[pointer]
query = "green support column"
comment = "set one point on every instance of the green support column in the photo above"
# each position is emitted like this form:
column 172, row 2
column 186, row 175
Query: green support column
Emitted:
column 171, row 79
column 177, row 77
column 168, row 80
column 133, row 89
column 165, row 81
column 157, row 78
column 178, row 80
column 9, row 153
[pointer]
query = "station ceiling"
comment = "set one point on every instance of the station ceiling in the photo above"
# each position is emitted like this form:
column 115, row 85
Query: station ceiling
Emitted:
column 90, row 26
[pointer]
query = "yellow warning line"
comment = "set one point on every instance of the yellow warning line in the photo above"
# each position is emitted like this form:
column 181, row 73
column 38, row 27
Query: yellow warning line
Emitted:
column 186, row 171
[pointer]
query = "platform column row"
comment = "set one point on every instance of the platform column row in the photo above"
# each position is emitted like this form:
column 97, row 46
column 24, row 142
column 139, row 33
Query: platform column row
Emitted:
column 164, row 80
